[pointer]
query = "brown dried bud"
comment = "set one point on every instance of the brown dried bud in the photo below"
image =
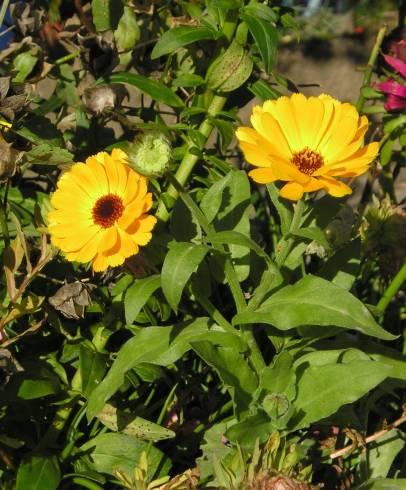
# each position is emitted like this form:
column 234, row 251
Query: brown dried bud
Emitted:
column 8, row 160
column 72, row 299
column 281, row 482
column 98, row 99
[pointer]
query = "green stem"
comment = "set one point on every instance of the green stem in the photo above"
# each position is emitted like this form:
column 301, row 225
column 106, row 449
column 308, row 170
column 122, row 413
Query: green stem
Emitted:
column 214, row 312
column 392, row 289
column 189, row 160
column 285, row 245
column 3, row 10
column 370, row 66
column 229, row 271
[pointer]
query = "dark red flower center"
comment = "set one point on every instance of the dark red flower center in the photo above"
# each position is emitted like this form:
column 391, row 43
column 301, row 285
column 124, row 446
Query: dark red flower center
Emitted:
column 307, row 160
column 107, row 210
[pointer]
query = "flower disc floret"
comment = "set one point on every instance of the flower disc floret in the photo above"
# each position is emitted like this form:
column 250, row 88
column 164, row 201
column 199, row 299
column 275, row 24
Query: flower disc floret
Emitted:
column 101, row 211
column 307, row 142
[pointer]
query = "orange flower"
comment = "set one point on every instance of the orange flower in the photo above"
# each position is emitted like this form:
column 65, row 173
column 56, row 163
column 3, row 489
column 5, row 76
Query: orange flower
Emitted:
column 101, row 211
column 307, row 142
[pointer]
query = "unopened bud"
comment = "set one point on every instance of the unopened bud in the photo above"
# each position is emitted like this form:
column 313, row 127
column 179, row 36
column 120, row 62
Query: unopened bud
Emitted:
column 150, row 154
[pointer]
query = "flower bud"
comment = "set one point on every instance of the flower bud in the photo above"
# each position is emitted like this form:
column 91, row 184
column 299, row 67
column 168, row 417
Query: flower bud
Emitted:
column 150, row 154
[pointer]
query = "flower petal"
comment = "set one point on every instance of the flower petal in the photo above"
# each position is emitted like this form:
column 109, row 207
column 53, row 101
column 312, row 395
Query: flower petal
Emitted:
column 292, row 191
column 396, row 64
column 334, row 187
column 262, row 175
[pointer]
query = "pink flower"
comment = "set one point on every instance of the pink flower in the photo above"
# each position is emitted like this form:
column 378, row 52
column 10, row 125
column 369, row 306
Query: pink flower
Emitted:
column 396, row 91
column 397, row 64
column 393, row 103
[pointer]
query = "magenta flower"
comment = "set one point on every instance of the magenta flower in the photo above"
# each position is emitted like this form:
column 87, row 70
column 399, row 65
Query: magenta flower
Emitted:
column 396, row 91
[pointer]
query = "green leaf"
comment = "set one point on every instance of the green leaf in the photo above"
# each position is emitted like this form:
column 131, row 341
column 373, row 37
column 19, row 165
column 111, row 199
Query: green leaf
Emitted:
column 161, row 346
column 40, row 130
column 92, row 366
column 111, row 452
column 106, row 13
column 282, row 208
column 226, row 205
column 131, row 424
column 382, row 455
column 246, row 432
column 226, row 4
column 232, row 237
column 188, row 80
column 38, row 473
column 128, row 31
column 264, row 91
column 23, row 63
column 230, row 70
column 138, row 294
column 313, row 233
column 29, row 388
column 261, row 11
column 179, row 264
column 180, row 36
column 156, row 90
column 266, row 38
column 233, row 370
column 383, row 484
column 322, row 390
column 376, row 351
column 49, row 155
column 314, row 301
column 386, row 150
column 279, row 377
column 343, row 267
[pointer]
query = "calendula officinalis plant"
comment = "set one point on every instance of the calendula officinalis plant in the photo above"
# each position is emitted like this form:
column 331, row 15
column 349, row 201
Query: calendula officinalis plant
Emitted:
column 203, row 263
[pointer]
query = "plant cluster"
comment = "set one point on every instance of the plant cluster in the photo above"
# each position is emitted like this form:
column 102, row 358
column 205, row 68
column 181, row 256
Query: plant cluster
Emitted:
column 188, row 300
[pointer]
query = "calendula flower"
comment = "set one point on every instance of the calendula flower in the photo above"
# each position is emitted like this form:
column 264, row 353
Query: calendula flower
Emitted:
column 307, row 142
column 100, row 211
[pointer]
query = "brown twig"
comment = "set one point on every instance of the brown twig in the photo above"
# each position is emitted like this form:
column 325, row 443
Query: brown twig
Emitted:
column 371, row 438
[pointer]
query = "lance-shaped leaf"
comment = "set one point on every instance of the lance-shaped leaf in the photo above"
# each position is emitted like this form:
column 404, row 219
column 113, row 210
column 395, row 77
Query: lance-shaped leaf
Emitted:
column 180, row 263
column 314, row 301
column 180, row 36
column 322, row 390
column 161, row 346
column 122, row 421
column 138, row 294
column 156, row 90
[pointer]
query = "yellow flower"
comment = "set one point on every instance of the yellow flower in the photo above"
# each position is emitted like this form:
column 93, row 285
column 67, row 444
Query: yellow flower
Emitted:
column 306, row 142
column 101, row 211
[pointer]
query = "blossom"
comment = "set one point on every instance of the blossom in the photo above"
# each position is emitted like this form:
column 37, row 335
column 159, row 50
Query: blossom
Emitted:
column 100, row 211
column 306, row 142
column 396, row 91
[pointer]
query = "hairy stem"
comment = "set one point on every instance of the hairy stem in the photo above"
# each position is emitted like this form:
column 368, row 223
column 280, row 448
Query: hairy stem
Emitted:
column 285, row 245
column 189, row 160
column 370, row 66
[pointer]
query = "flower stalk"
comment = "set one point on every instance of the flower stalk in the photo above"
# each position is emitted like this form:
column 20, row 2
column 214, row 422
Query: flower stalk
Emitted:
column 229, row 271
column 370, row 66
column 189, row 160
